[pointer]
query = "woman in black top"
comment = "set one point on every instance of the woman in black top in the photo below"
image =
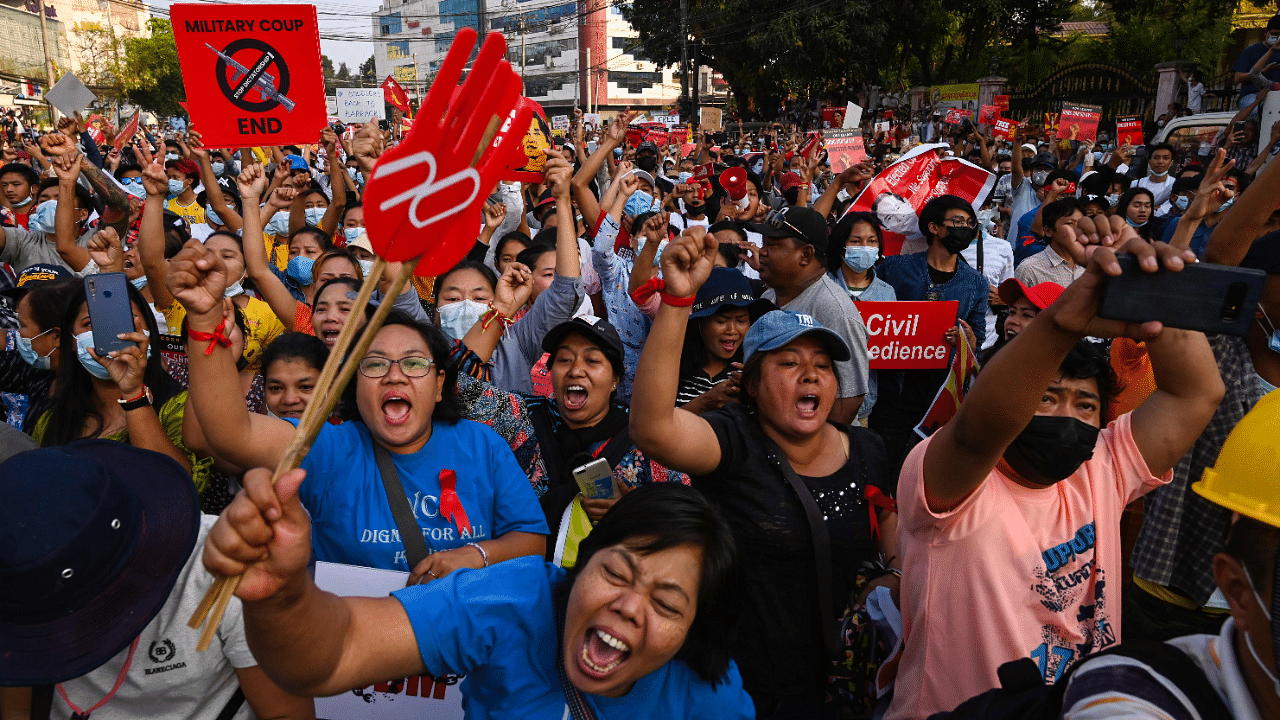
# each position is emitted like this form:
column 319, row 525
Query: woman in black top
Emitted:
column 738, row 455
column 713, row 339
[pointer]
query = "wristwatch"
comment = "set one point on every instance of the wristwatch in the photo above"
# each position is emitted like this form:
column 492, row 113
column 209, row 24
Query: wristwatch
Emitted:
column 143, row 400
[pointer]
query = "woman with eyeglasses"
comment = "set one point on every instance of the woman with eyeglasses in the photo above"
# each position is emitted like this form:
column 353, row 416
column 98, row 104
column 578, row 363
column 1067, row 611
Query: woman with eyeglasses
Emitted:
column 468, row 495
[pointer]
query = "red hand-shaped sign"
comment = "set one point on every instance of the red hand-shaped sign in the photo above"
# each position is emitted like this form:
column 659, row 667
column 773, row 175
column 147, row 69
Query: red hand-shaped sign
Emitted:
column 424, row 196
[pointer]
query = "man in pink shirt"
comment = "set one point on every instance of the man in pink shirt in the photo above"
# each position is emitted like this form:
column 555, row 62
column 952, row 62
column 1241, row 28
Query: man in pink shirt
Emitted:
column 1009, row 516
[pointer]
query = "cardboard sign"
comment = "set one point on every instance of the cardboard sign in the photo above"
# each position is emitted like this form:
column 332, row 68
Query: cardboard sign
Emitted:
column 252, row 72
column 908, row 334
column 395, row 95
column 947, row 402
column 852, row 116
column 711, row 118
column 416, row 698
column 1079, row 122
column 988, row 114
column 1128, row 130
column 1003, row 128
column 1002, row 103
column 957, row 116
column 900, row 191
column 358, row 105
column 70, row 95
column 844, row 149
column 537, row 140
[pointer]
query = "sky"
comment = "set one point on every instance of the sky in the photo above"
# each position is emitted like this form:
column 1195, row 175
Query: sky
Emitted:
column 346, row 27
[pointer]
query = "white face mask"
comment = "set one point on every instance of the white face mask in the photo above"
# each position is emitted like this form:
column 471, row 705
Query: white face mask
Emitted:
column 279, row 224
column 457, row 318
column 234, row 288
column 314, row 214
column 1249, row 641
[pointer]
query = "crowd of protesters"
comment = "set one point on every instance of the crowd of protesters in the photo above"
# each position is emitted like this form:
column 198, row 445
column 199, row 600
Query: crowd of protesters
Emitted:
column 775, row 539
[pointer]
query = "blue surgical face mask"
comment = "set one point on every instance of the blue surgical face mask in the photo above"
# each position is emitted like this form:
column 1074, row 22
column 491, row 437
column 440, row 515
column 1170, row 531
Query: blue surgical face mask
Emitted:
column 29, row 354
column 41, row 220
column 211, row 217
column 136, row 190
column 352, row 172
column 639, row 203
column 299, row 268
column 234, row 289
column 351, row 234
column 1273, row 344
column 219, row 167
column 139, row 282
column 1267, row 388
column 170, row 156
column 1181, row 202
column 84, row 341
column 278, row 225
column 1223, row 207
column 366, row 267
column 1134, row 224
column 313, row 215
column 1113, row 199
column 176, row 187
column 861, row 258
column 457, row 318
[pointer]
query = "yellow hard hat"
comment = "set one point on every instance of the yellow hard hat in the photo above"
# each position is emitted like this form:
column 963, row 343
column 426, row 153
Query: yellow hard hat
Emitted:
column 1246, row 478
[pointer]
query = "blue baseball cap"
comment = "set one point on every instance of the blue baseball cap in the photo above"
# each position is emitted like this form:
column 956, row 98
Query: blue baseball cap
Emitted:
column 778, row 328
column 727, row 286
column 296, row 162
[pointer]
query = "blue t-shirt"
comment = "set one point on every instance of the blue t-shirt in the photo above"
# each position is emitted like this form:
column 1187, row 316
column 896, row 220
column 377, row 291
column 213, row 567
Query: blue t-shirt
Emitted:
column 1199, row 239
column 1245, row 62
column 351, row 521
column 497, row 626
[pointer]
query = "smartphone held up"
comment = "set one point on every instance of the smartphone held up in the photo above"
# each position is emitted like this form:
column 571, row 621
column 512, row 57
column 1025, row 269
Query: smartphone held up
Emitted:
column 1217, row 299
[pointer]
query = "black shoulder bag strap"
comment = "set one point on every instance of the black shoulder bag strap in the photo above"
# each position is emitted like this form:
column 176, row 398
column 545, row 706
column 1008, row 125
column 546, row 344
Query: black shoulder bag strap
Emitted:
column 544, row 430
column 415, row 548
column 821, row 547
column 233, row 705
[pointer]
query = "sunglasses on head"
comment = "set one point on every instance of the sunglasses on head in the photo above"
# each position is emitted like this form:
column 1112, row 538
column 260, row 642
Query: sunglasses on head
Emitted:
column 777, row 220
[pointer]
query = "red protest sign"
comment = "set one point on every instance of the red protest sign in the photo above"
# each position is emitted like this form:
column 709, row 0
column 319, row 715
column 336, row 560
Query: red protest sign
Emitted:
column 657, row 137
column 536, row 143
column 635, row 135
column 988, row 114
column 424, row 195
column 252, row 72
column 957, row 116
column 810, row 146
column 678, row 136
column 1079, row 122
column 127, row 132
column 1003, row 128
column 1051, row 123
column 900, row 191
column 1128, row 130
column 1002, row 103
column 908, row 334
column 844, row 149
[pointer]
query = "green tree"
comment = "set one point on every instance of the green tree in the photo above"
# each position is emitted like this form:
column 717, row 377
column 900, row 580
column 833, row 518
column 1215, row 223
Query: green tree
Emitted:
column 151, row 76
column 369, row 71
column 327, row 66
column 98, row 49
column 343, row 73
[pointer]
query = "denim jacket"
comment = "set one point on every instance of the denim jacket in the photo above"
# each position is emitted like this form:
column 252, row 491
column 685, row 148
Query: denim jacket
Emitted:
column 909, row 276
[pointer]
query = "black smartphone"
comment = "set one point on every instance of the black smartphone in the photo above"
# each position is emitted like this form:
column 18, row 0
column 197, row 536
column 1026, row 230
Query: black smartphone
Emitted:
column 110, row 311
column 1217, row 299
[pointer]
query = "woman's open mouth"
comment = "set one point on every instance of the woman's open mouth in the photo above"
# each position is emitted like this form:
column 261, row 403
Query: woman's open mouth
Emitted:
column 601, row 654
column 575, row 397
column 807, row 406
column 330, row 335
column 396, row 408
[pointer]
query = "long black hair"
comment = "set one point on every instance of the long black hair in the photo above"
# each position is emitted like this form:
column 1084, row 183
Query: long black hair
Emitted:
column 73, row 396
column 840, row 235
column 295, row 346
column 655, row 517
column 449, row 408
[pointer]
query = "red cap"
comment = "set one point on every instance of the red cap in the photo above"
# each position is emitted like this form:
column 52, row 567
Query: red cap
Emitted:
column 791, row 180
column 734, row 182
column 1042, row 295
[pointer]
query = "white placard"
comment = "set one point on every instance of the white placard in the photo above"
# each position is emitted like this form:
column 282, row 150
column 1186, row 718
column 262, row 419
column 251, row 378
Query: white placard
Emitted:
column 559, row 122
column 882, row 126
column 852, row 117
column 358, row 105
column 668, row 119
column 70, row 95
column 420, row 698
column 592, row 120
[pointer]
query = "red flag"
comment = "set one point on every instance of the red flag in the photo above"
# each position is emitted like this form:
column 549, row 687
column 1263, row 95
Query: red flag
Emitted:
column 127, row 132
column 395, row 95
column 945, row 404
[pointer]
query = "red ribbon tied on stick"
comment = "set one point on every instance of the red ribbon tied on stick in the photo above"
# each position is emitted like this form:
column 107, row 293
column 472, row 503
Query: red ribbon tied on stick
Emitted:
column 450, row 505
column 425, row 195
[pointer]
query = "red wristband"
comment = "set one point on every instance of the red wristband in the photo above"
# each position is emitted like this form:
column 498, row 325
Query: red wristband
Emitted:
column 676, row 301
column 217, row 337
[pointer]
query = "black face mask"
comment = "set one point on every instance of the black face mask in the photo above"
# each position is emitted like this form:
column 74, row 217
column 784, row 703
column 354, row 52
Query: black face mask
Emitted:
column 958, row 238
column 648, row 163
column 1050, row 448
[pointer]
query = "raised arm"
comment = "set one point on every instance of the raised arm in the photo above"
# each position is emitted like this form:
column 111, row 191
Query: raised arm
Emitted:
column 337, row 186
column 151, row 233
column 655, row 231
column 611, row 138
column 250, row 183
column 1246, row 220
column 67, row 168
column 198, row 279
column 851, row 176
column 1209, row 196
column 510, row 294
column 226, row 213
column 1188, row 391
column 674, row 437
column 1005, row 397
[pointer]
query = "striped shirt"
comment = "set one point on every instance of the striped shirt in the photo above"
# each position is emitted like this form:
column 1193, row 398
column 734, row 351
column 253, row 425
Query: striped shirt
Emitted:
column 691, row 386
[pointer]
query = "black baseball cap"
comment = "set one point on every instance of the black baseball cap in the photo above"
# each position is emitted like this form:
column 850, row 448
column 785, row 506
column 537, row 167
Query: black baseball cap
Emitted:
column 34, row 275
column 804, row 224
column 593, row 328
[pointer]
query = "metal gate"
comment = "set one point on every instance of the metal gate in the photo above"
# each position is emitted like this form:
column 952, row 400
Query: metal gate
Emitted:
column 1119, row 90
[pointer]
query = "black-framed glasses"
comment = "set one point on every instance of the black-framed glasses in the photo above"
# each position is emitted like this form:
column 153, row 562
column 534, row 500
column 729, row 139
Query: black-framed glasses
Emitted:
column 958, row 221
column 777, row 219
column 413, row 366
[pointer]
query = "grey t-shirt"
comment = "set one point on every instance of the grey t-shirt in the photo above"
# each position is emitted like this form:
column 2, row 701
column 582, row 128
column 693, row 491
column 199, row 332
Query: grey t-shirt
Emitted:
column 168, row 678
column 521, row 344
column 829, row 304
column 23, row 248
